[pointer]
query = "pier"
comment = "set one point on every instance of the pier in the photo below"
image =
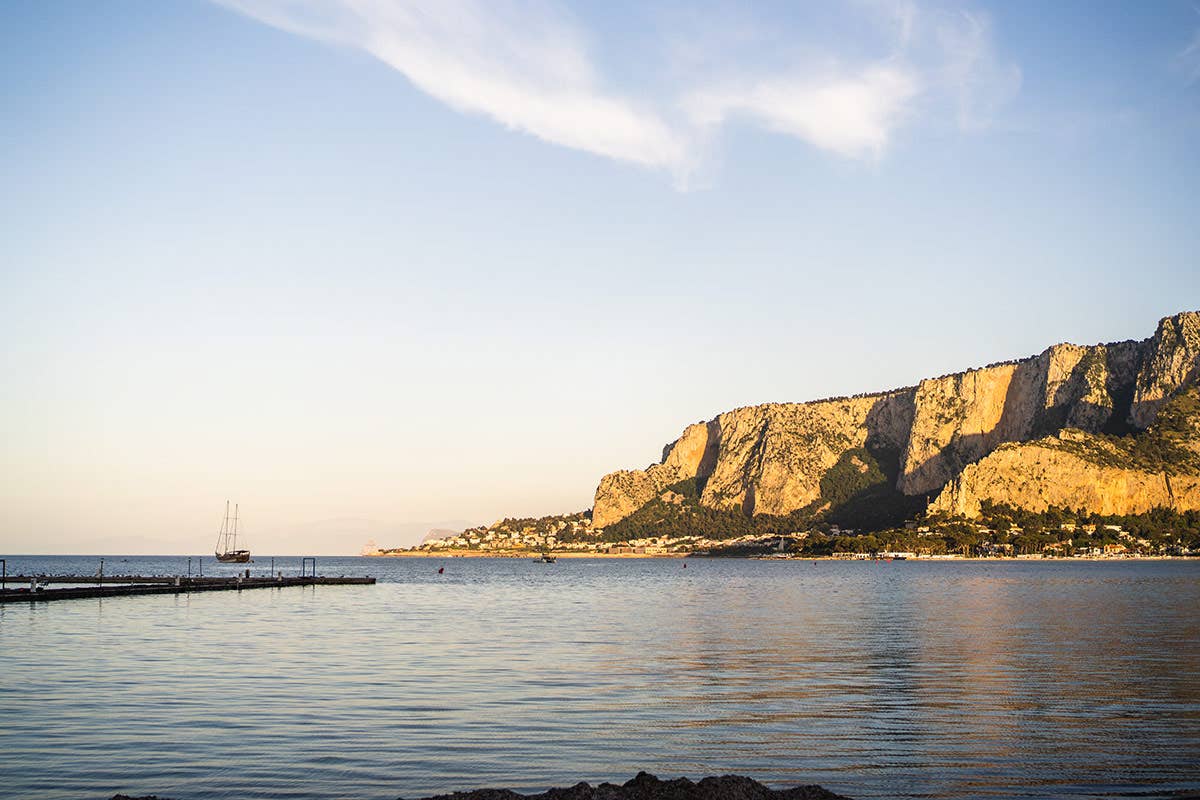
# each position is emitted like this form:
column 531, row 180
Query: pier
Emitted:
column 84, row 586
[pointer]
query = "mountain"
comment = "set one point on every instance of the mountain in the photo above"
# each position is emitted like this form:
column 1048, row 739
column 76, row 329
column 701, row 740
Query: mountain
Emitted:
column 440, row 533
column 1108, row 428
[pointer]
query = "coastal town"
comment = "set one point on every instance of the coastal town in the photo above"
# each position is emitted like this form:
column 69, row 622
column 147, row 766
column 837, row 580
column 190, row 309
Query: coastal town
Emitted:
column 573, row 535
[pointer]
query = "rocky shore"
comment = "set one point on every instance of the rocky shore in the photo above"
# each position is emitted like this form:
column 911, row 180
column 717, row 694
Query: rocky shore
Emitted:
column 642, row 787
column 647, row 787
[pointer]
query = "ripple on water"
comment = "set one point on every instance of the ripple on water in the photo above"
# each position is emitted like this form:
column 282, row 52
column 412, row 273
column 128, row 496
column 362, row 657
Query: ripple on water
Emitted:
column 896, row 680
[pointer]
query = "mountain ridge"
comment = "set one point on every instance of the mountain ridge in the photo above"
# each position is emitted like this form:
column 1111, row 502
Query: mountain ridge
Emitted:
column 920, row 441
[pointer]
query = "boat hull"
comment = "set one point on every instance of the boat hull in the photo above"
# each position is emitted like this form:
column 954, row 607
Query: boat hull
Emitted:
column 234, row 557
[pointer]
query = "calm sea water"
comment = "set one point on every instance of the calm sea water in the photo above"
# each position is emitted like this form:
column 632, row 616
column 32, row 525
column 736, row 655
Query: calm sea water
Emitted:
column 899, row 679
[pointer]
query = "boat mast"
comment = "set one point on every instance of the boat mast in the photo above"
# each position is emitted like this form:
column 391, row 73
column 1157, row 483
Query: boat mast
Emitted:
column 223, row 535
column 235, row 516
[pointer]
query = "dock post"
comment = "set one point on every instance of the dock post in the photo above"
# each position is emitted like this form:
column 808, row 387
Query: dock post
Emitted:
column 272, row 565
column 189, row 568
column 100, row 574
column 3, row 574
column 303, row 564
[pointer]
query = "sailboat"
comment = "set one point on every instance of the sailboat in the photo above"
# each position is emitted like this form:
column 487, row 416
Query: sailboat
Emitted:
column 226, row 550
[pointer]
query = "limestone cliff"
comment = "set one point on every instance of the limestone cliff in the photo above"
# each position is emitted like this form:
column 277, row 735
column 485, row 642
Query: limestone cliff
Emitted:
column 761, row 459
column 961, row 418
column 623, row 492
column 1172, row 360
column 1078, row 470
column 1037, row 475
column 779, row 458
column 770, row 459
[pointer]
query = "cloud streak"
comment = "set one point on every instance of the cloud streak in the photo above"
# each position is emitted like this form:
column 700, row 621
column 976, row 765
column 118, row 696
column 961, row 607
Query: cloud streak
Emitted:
column 528, row 66
column 523, row 66
column 850, row 115
column 1188, row 59
column 978, row 80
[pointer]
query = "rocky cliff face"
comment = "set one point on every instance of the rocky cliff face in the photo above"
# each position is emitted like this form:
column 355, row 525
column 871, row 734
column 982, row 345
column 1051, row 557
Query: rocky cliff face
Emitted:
column 624, row 492
column 1171, row 360
column 1037, row 475
column 955, row 429
column 961, row 418
column 761, row 459
column 1078, row 470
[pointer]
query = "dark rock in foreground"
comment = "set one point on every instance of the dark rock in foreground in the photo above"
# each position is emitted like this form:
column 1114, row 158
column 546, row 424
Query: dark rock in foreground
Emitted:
column 648, row 787
column 644, row 787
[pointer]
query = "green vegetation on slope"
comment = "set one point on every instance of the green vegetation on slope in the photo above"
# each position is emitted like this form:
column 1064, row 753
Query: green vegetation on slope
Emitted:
column 1170, row 445
column 860, row 492
column 857, row 492
column 682, row 515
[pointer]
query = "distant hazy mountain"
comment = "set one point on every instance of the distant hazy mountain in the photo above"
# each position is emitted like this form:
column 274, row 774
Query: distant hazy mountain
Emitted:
column 348, row 535
column 442, row 533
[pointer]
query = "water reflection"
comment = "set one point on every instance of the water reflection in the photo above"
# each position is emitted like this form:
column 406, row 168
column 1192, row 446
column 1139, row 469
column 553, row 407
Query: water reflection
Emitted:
column 877, row 680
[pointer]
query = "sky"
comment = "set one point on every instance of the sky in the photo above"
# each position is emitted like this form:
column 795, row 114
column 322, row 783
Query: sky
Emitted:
column 368, row 267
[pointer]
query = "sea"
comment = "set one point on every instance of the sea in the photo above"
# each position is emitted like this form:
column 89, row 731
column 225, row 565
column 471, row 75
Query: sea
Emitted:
column 902, row 679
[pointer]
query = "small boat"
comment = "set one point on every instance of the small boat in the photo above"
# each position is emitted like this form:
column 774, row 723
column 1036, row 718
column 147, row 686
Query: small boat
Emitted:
column 544, row 558
column 227, row 551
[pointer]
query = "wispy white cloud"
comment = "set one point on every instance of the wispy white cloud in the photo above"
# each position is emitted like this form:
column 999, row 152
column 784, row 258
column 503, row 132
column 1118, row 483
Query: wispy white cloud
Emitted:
column 524, row 65
column 979, row 81
column 896, row 18
column 528, row 65
column 1188, row 59
column 851, row 115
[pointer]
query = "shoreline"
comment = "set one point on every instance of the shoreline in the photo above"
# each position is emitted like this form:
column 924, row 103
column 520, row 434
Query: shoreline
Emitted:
column 532, row 554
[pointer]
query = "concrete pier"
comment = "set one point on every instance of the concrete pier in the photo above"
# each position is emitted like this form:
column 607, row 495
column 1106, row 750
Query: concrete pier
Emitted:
column 123, row 586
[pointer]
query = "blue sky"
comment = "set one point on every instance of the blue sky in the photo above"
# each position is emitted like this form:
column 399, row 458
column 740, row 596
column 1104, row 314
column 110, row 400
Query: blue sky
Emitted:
column 368, row 267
